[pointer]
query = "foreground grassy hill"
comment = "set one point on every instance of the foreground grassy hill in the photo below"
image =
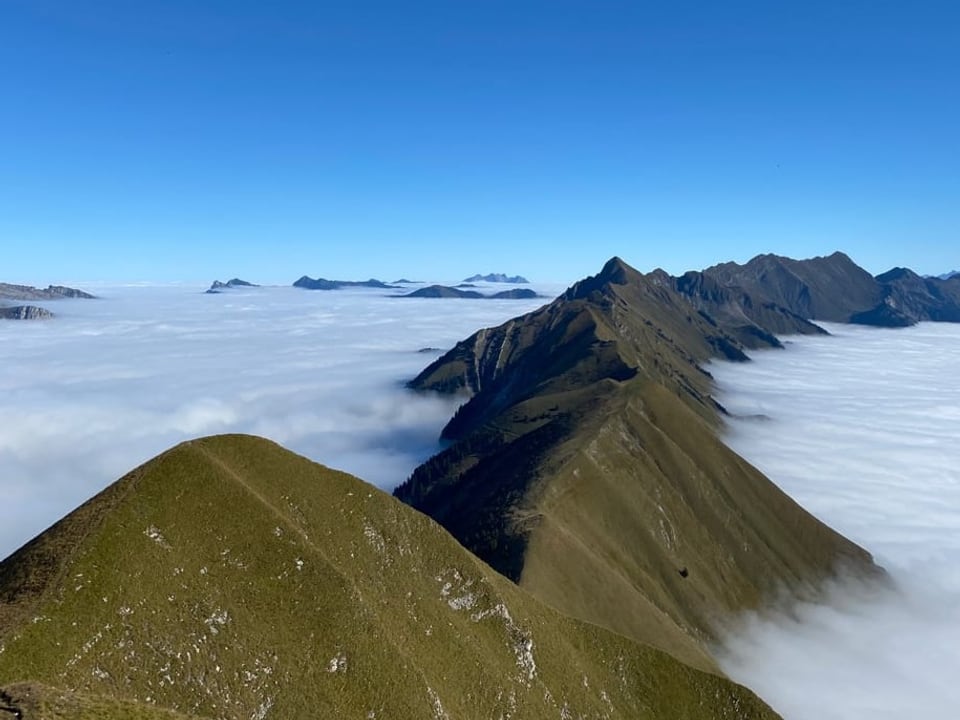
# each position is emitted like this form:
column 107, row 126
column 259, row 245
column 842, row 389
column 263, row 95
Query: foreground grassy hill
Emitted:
column 586, row 465
column 230, row 578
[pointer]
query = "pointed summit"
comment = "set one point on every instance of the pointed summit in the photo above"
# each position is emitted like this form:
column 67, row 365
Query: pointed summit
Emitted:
column 615, row 270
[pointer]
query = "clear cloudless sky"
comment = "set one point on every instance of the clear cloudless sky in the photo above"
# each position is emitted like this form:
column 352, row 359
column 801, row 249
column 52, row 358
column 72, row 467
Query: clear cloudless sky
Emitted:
column 194, row 139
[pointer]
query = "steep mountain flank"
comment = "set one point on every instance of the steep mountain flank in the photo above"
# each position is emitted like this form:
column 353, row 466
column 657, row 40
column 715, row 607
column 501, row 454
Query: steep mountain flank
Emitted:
column 230, row 578
column 834, row 288
column 909, row 298
column 754, row 321
column 585, row 466
column 828, row 288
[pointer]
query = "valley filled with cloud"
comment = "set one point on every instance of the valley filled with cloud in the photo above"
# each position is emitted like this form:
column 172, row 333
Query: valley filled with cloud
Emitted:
column 860, row 427
column 863, row 429
column 109, row 383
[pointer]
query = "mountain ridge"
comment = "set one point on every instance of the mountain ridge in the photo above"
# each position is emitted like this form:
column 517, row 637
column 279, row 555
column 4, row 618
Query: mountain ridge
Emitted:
column 612, row 369
column 309, row 283
column 498, row 278
column 316, row 595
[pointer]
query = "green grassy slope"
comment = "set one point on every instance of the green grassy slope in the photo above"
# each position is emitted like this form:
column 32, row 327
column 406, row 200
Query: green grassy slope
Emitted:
column 230, row 578
column 586, row 467
column 30, row 701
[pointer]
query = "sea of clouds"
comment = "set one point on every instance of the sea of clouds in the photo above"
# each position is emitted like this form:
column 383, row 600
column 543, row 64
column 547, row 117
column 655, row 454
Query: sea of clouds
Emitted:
column 112, row 382
column 863, row 429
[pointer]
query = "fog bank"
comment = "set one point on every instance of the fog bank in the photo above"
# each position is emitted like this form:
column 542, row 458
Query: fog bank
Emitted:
column 862, row 429
column 110, row 383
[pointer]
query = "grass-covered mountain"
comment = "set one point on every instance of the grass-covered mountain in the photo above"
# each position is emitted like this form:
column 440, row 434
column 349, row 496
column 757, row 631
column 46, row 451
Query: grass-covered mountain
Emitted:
column 230, row 578
column 586, row 465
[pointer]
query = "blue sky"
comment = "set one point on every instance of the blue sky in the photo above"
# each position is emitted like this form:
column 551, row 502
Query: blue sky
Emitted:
column 187, row 140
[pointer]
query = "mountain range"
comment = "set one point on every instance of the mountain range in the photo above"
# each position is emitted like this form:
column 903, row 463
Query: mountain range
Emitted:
column 585, row 464
column 498, row 278
column 217, row 287
column 576, row 550
column 445, row 291
column 309, row 283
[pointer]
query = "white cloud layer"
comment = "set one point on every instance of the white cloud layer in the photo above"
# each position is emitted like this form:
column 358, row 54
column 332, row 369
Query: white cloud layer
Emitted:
column 110, row 383
column 863, row 429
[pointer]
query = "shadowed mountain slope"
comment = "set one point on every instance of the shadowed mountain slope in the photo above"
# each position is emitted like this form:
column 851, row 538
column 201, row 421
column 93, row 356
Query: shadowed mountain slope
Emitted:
column 309, row 283
column 828, row 288
column 835, row 289
column 586, row 467
column 230, row 578
column 753, row 320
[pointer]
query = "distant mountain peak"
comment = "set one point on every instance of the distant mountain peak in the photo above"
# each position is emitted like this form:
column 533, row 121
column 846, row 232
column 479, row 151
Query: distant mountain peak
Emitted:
column 218, row 286
column 309, row 283
column 498, row 278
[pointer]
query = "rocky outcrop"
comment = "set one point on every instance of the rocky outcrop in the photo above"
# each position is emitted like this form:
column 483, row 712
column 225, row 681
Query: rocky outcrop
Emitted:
column 218, row 287
column 51, row 292
column 25, row 312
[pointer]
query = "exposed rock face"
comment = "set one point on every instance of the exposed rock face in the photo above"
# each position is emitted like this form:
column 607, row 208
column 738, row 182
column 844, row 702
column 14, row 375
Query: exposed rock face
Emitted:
column 753, row 321
column 25, row 312
column 230, row 578
column 218, row 286
column 309, row 283
column 52, row 292
column 586, row 467
column 835, row 289
column 498, row 278
column 824, row 288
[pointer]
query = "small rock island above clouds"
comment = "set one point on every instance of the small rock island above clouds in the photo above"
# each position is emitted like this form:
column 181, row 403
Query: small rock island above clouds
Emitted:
column 218, row 287
column 444, row 291
column 10, row 292
column 309, row 283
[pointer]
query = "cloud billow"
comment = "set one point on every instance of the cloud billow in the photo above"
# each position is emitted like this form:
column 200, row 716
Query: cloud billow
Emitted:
column 863, row 429
column 110, row 383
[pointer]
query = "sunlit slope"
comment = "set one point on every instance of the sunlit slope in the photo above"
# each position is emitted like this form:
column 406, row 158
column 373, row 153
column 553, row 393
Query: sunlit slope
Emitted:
column 231, row 578
column 30, row 701
column 586, row 467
